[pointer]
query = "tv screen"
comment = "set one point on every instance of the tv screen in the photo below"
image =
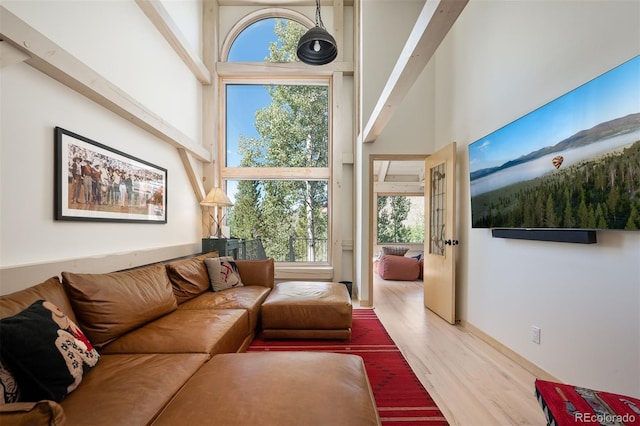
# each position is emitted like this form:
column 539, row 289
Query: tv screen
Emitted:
column 573, row 163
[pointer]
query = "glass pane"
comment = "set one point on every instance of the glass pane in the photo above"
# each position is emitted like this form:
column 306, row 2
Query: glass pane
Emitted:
column 267, row 40
column 400, row 219
column 277, row 125
column 438, row 198
column 288, row 217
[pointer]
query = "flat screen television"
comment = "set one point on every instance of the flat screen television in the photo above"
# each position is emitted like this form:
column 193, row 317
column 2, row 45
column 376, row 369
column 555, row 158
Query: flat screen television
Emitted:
column 573, row 163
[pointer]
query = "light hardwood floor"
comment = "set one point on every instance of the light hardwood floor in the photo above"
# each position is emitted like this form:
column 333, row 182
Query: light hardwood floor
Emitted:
column 472, row 383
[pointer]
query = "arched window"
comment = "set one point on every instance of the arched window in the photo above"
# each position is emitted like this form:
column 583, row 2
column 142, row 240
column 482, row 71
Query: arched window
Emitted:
column 275, row 161
column 266, row 38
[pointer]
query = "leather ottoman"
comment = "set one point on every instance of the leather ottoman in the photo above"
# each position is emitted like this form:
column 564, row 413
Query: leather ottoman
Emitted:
column 275, row 388
column 307, row 310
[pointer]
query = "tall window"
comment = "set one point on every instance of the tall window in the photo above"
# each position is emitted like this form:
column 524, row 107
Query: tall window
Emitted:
column 276, row 153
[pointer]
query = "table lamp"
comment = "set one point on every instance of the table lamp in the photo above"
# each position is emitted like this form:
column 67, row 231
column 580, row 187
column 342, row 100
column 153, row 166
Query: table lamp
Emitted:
column 216, row 198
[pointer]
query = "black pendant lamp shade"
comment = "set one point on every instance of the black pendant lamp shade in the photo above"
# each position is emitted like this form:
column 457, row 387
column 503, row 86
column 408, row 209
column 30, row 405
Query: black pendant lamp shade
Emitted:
column 317, row 46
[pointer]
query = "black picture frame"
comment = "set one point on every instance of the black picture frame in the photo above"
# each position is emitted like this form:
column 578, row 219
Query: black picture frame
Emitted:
column 94, row 182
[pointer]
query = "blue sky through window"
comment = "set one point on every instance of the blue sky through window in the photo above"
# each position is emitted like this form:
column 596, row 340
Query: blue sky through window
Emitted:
column 242, row 103
column 252, row 44
column 244, row 100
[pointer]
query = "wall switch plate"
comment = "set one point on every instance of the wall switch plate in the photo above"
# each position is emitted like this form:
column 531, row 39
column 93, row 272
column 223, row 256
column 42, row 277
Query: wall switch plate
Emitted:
column 535, row 334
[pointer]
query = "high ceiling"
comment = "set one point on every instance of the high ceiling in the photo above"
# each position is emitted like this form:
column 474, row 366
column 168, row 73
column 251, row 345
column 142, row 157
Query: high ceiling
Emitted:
column 398, row 175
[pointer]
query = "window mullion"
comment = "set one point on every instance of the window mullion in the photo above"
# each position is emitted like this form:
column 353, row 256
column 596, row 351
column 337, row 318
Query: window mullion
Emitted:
column 276, row 173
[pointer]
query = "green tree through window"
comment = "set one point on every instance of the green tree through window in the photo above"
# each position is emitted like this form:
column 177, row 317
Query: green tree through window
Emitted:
column 400, row 219
column 288, row 137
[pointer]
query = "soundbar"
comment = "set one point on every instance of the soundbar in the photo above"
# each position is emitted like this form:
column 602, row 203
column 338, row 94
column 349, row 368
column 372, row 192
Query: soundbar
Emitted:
column 581, row 236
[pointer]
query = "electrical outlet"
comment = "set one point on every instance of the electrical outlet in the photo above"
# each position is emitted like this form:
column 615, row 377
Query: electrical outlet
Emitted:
column 535, row 334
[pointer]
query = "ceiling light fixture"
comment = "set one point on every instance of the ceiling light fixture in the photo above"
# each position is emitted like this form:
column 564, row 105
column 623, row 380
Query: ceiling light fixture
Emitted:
column 317, row 46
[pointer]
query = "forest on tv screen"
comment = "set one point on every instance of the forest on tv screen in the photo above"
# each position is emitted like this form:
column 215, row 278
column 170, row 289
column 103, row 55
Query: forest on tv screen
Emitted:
column 600, row 193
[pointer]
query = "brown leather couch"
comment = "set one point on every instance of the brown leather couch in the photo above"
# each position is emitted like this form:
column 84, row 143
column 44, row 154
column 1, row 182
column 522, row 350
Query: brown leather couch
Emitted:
column 154, row 327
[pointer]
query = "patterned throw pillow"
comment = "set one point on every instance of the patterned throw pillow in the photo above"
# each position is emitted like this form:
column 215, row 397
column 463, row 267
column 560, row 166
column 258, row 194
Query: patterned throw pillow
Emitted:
column 395, row 250
column 47, row 353
column 10, row 389
column 223, row 273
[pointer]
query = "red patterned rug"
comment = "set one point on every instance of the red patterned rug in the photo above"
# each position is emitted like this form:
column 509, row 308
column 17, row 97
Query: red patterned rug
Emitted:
column 399, row 395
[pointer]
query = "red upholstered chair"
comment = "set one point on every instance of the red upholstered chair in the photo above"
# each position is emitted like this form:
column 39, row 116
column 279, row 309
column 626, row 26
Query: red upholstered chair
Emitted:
column 398, row 268
column 572, row 405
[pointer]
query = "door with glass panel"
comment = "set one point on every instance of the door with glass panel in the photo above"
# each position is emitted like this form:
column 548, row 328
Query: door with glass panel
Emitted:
column 440, row 233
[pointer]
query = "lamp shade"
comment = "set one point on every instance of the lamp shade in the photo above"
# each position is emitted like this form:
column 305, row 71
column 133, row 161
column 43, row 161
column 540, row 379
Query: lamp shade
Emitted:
column 317, row 47
column 216, row 197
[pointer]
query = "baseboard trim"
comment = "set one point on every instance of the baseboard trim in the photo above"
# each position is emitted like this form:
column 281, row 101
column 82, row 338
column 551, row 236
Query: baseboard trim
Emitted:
column 509, row 353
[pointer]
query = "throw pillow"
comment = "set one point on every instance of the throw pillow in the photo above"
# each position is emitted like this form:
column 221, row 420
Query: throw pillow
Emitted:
column 10, row 389
column 223, row 273
column 110, row 305
column 395, row 250
column 46, row 351
column 189, row 277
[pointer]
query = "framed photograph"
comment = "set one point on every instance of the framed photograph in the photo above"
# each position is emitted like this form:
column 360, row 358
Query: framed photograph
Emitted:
column 96, row 183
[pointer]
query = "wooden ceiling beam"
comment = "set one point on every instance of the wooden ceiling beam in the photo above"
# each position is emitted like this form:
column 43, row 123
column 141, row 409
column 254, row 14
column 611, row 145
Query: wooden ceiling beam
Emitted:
column 167, row 27
column 10, row 55
column 399, row 187
column 433, row 24
column 384, row 169
column 52, row 60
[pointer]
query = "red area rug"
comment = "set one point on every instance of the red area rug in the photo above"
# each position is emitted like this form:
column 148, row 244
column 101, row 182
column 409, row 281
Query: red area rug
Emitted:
column 399, row 395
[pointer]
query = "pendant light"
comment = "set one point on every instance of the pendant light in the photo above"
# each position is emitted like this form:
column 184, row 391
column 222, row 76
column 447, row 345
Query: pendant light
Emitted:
column 317, row 46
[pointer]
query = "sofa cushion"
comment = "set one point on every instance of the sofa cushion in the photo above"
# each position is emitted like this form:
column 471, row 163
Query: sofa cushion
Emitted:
column 46, row 351
column 109, row 305
column 129, row 389
column 223, row 273
column 51, row 290
column 276, row 388
column 257, row 272
column 187, row 331
column 33, row 413
column 189, row 277
column 247, row 297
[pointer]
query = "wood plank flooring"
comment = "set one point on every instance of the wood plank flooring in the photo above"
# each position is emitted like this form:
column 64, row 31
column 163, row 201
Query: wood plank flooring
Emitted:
column 472, row 383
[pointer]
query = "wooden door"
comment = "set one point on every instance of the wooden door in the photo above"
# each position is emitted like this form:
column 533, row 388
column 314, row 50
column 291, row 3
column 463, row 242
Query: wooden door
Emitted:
column 440, row 236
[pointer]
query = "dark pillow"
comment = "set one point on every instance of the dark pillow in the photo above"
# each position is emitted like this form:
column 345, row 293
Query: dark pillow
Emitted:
column 46, row 351
column 189, row 277
column 10, row 389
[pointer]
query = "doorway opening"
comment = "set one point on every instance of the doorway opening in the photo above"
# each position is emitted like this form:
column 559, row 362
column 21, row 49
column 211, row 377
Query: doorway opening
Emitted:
column 397, row 213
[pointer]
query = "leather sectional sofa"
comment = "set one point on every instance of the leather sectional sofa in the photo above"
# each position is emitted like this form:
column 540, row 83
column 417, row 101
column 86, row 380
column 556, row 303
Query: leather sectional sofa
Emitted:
column 154, row 327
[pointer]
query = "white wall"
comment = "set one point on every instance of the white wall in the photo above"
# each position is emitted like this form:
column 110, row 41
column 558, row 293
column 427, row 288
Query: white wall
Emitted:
column 386, row 26
column 117, row 40
column 411, row 129
column 502, row 60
